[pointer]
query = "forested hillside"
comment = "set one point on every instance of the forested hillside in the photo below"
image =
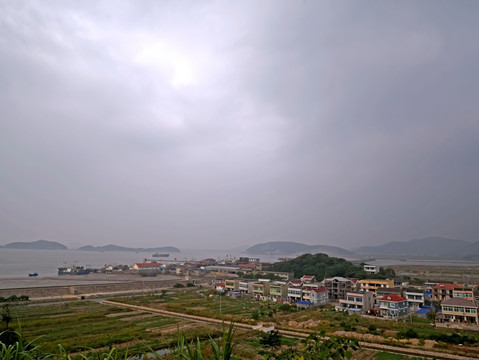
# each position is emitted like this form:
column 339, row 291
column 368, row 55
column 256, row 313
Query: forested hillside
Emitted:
column 322, row 266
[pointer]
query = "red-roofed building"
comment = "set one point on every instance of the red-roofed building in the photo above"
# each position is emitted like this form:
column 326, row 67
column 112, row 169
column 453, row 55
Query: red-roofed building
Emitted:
column 444, row 291
column 147, row 266
column 393, row 306
column 307, row 279
column 220, row 286
column 247, row 267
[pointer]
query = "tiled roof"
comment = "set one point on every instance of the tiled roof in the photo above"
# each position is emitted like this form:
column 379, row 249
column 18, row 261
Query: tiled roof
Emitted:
column 393, row 297
column 307, row 277
column 296, row 282
column 448, row 286
column 458, row 302
column 320, row 290
column 148, row 265
column 337, row 278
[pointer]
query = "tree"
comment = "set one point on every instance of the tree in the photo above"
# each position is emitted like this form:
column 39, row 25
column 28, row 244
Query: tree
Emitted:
column 272, row 339
column 6, row 316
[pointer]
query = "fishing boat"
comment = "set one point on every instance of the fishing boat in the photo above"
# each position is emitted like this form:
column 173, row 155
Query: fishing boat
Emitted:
column 160, row 255
column 73, row 270
column 34, row 274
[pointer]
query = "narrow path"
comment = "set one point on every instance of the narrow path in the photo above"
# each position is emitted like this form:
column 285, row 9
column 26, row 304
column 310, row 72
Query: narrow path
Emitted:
column 367, row 345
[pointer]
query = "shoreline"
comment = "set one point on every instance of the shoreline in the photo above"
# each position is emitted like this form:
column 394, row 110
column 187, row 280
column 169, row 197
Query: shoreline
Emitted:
column 72, row 287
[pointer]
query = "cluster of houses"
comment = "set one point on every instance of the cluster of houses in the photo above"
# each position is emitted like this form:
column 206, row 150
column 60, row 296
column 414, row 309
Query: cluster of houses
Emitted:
column 388, row 298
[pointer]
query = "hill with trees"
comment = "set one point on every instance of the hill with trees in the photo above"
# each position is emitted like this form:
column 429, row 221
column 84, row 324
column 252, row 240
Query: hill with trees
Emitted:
column 323, row 266
column 320, row 265
column 290, row 247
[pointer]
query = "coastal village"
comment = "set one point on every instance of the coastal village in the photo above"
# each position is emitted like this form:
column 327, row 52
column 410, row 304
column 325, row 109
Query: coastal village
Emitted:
column 447, row 304
column 365, row 308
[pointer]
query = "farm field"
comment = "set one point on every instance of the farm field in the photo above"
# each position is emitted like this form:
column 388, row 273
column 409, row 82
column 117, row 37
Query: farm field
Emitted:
column 85, row 327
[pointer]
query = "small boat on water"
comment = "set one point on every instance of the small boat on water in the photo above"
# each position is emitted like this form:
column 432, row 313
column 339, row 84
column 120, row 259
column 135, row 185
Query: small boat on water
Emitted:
column 160, row 255
column 34, row 274
column 73, row 270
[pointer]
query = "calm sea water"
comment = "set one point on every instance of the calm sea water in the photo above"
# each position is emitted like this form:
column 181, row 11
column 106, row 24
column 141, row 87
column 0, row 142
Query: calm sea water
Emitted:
column 20, row 262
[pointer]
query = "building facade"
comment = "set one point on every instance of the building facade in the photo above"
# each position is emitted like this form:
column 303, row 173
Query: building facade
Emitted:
column 393, row 306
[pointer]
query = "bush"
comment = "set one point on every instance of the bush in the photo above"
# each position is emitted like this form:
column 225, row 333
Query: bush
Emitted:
column 408, row 334
column 272, row 339
column 9, row 337
column 285, row 307
column 178, row 285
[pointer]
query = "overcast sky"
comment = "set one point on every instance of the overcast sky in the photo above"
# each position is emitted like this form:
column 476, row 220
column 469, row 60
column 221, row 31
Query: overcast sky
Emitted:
column 228, row 123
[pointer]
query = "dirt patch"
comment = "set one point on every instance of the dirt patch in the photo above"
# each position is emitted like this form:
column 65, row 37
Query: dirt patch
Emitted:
column 304, row 324
column 198, row 308
column 364, row 337
column 428, row 344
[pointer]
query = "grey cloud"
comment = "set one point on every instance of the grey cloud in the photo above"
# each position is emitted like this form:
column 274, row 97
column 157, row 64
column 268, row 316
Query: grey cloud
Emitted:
column 227, row 123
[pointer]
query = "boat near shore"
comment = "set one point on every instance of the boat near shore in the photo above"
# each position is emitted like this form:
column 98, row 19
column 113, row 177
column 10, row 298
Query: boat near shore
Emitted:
column 160, row 255
column 73, row 270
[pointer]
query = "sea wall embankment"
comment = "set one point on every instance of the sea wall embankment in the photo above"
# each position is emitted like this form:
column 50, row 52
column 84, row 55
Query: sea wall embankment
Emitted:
column 88, row 290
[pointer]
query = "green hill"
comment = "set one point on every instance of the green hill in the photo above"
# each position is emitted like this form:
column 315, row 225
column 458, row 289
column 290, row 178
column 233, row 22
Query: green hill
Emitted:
column 320, row 265
column 292, row 248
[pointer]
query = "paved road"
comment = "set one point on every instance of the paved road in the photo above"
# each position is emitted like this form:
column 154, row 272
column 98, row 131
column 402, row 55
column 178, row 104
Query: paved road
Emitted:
column 394, row 349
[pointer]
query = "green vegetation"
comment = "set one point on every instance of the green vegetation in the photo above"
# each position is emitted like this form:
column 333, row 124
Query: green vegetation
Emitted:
column 320, row 265
column 14, row 298
column 313, row 347
column 317, row 347
column 389, row 356
column 91, row 329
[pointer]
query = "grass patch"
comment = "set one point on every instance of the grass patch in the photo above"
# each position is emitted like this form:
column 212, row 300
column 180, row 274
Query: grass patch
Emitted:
column 389, row 356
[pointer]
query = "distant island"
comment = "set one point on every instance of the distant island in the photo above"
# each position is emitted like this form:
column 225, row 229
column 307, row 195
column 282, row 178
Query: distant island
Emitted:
column 428, row 247
column 166, row 249
column 53, row 245
column 36, row 245
column 293, row 248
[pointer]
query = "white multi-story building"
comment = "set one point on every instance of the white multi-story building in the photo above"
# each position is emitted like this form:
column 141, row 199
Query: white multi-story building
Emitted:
column 415, row 298
column 371, row 269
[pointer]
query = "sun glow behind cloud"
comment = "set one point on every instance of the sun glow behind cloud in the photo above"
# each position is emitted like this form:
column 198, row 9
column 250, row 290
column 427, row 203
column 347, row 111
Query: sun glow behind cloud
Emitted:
column 178, row 66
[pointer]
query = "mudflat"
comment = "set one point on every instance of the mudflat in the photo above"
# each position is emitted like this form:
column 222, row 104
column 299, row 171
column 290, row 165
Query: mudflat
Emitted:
column 72, row 280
